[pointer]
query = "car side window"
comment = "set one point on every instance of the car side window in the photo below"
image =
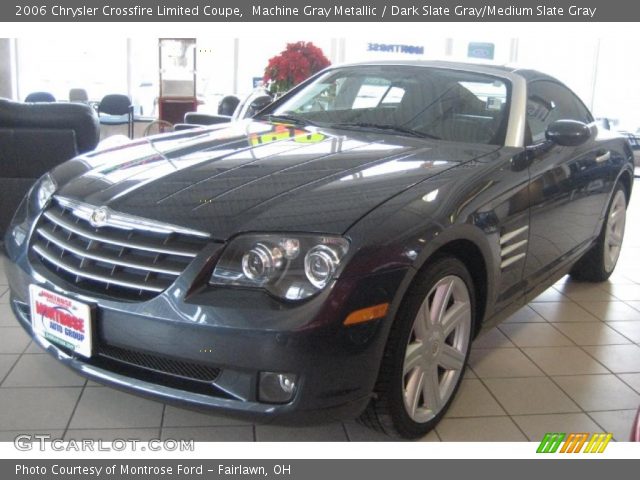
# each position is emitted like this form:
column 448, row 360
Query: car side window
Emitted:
column 549, row 101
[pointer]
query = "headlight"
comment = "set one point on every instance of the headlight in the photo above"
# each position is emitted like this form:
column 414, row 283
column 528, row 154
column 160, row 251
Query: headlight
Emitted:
column 291, row 267
column 44, row 190
column 320, row 264
column 262, row 262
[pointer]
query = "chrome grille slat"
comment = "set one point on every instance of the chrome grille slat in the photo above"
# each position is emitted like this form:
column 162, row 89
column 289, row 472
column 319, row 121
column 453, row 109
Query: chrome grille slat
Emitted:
column 84, row 273
column 76, row 229
column 103, row 258
column 135, row 264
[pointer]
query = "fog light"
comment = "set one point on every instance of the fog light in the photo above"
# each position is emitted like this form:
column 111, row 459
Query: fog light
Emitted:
column 277, row 387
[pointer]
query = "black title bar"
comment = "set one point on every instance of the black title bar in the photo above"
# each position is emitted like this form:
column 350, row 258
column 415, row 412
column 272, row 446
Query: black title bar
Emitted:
column 528, row 469
column 319, row 11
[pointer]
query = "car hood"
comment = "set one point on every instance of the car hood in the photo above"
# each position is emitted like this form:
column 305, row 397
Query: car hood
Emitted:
column 256, row 176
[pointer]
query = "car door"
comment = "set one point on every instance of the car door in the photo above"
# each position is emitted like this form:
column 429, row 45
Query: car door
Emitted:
column 567, row 192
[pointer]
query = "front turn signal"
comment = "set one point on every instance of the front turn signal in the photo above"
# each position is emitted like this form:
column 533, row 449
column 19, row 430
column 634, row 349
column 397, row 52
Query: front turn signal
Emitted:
column 367, row 314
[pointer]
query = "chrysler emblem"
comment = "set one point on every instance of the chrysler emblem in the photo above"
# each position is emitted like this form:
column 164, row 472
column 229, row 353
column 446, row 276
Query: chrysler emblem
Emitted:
column 99, row 217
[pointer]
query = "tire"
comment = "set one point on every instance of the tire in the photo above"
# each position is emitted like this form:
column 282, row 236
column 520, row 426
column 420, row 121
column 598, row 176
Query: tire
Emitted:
column 403, row 405
column 598, row 263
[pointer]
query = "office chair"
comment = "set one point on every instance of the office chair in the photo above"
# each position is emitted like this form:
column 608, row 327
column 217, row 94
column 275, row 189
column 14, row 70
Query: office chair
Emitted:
column 78, row 95
column 40, row 97
column 228, row 105
column 116, row 109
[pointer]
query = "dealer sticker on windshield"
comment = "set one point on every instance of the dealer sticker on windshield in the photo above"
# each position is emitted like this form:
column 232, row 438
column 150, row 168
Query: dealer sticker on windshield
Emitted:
column 61, row 320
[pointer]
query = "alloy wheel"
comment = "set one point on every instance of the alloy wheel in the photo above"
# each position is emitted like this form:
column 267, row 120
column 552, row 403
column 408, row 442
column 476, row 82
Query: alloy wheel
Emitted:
column 614, row 232
column 436, row 351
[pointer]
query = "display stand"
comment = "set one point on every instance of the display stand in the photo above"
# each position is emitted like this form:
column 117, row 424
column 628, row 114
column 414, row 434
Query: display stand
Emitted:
column 178, row 76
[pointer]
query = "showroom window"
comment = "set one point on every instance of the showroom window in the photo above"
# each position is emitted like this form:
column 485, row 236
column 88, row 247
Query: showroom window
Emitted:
column 100, row 67
column 549, row 101
column 59, row 64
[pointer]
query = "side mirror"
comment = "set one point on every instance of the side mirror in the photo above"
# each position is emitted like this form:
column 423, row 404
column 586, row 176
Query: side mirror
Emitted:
column 568, row 133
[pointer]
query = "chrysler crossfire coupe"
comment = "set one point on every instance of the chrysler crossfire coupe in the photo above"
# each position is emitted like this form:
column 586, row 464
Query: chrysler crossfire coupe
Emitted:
column 332, row 257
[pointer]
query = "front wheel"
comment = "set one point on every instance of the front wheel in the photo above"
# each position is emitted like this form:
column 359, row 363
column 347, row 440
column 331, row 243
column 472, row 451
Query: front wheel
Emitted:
column 598, row 264
column 426, row 353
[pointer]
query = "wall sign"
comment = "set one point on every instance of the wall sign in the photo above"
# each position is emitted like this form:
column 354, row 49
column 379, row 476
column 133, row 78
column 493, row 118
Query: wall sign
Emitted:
column 395, row 48
column 481, row 50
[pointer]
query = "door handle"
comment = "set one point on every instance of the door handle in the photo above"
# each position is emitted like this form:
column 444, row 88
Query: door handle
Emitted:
column 602, row 157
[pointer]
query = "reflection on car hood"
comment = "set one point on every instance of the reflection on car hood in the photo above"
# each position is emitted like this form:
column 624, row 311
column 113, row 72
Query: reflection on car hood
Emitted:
column 255, row 176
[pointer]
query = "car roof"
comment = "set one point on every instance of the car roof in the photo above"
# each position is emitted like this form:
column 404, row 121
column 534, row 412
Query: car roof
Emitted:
column 486, row 68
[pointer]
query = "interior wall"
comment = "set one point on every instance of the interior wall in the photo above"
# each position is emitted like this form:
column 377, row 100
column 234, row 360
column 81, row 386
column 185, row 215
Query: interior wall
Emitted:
column 576, row 67
column 598, row 70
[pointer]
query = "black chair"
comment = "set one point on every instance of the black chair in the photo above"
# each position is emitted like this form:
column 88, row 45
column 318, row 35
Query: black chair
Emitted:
column 251, row 105
column 196, row 118
column 78, row 95
column 257, row 103
column 116, row 109
column 228, row 105
column 39, row 97
column 36, row 137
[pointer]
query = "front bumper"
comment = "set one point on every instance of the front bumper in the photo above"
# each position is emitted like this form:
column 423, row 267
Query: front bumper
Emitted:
column 239, row 332
column 244, row 409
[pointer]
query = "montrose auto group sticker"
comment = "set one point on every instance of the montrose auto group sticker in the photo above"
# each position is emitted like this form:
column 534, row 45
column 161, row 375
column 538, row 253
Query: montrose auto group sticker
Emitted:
column 61, row 320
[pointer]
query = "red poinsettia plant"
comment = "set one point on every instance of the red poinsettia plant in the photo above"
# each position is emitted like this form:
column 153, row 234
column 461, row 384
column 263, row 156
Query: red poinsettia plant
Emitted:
column 297, row 62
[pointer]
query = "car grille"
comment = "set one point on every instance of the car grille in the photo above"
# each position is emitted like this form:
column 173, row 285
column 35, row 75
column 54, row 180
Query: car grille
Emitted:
column 129, row 263
column 153, row 368
column 160, row 364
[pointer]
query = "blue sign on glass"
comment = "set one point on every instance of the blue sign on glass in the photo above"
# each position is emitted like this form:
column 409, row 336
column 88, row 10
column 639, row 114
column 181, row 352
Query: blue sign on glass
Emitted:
column 481, row 50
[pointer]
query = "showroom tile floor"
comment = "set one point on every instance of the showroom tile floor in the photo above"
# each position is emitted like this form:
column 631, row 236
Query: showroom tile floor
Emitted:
column 569, row 361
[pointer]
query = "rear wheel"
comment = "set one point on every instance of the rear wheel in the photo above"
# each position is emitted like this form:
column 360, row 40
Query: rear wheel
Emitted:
column 426, row 352
column 598, row 264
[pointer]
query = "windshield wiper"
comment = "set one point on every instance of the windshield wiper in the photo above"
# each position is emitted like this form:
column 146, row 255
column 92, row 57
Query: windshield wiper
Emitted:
column 287, row 117
column 388, row 127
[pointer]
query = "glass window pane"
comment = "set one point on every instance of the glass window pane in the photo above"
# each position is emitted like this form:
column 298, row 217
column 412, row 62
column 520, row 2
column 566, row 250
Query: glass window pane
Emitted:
column 59, row 64
column 433, row 102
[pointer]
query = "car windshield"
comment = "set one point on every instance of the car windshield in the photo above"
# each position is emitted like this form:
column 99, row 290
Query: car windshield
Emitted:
column 407, row 100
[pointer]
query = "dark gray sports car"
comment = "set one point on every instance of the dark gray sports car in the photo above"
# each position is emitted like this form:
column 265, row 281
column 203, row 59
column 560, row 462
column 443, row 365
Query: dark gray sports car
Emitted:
column 334, row 256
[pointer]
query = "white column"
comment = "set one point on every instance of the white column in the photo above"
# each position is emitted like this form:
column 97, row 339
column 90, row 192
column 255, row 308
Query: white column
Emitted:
column 448, row 47
column 129, row 68
column 333, row 54
column 513, row 52
column 236, row 57
column 594, row 75
column 7, row 74
column 342, row 50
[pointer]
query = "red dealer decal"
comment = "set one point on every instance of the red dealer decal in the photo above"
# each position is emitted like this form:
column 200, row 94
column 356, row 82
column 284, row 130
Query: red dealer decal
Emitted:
column 62, row 317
